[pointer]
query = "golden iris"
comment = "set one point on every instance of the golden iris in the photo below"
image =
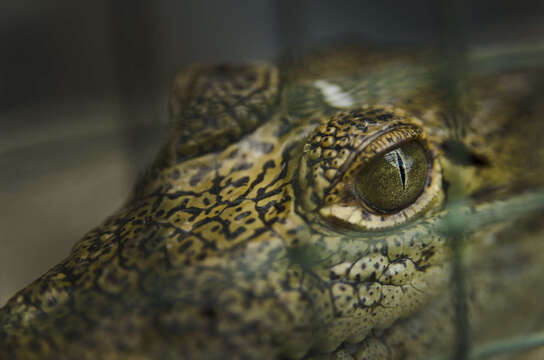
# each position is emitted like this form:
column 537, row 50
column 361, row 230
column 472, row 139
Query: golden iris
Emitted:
column 395, row 179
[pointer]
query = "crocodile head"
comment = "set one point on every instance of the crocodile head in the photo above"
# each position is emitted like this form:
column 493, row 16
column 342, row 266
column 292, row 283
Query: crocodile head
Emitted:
column 307, row 210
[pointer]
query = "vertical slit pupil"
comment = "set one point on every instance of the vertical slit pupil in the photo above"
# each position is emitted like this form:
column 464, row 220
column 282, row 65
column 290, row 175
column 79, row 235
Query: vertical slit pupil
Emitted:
column 402, row 169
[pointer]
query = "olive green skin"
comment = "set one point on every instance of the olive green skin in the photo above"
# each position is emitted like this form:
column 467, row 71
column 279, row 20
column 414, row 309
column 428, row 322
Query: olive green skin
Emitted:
column 244, row 239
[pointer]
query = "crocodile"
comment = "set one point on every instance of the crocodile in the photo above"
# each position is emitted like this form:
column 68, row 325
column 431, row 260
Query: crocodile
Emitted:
column 313, row 209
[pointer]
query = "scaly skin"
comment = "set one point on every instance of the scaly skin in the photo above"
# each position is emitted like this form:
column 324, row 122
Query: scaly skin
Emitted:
column 245, row 240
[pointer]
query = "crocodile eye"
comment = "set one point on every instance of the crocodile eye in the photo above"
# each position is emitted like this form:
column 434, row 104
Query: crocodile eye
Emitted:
column 370, row 168
column 393, row 180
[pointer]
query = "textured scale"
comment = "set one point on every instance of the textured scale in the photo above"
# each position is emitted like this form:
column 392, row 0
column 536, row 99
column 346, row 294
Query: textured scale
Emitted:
column 242, row 241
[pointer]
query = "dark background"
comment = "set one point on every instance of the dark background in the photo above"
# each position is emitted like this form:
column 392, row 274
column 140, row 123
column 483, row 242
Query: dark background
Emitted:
column 84, row 90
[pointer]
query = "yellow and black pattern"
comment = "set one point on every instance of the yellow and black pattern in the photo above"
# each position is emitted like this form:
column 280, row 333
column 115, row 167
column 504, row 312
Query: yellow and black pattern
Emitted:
column 246, row 240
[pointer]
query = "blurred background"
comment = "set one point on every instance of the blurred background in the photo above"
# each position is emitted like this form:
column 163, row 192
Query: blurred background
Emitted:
column 84, row 91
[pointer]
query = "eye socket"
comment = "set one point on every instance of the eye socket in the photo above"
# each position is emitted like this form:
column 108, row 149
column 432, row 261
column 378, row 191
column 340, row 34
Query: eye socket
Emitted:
column 394, row 180
column 370, row 168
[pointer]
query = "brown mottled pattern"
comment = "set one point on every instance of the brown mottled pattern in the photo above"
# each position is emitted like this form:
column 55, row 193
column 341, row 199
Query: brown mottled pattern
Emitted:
column 245, row 240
